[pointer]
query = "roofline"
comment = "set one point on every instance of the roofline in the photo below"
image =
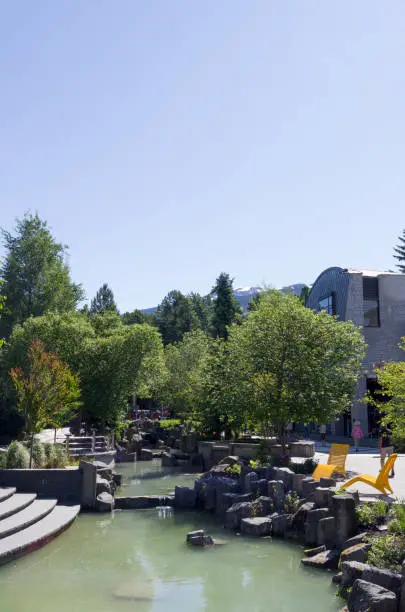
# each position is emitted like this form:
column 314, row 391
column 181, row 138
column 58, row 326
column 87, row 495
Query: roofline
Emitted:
column 323, row 273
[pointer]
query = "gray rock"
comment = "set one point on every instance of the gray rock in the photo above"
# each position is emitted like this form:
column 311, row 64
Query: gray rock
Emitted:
column 185, row 498
column 311, row 524
column 262, row 486
column 276, row 493
column 195, row 534
column 327, row 483
column 384, row 578
column 236, row 513
column 308, row 488
column 169, row 460
column 297, row 483
column 358, row 552
column 368, row 597
column 300, row 517
column 223, row 486
column 280, row 524
column 117, row 479
column 351, row 571
column 357, row 539
column 263, row 506
column 250, row 483
column 402, row 596
column 324, row 560
column 143, row 502
column 343, row 509
column 102, row 485
column 228, row 499
column 326, row 531
column 311, row 552
column 256, row 526
column 337, row 578
column 201, row 541
column 146, row 454
column 265, row 472
column 230, row 460
column 104, row 502
column 286, row 475
column 322, row 496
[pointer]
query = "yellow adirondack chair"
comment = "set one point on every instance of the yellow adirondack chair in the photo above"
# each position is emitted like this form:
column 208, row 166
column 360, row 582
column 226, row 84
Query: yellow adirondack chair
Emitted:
column 381, row 483
column 336, row 462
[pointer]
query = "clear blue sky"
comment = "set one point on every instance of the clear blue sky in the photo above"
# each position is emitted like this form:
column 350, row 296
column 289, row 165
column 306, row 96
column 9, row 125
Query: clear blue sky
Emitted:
column 166, row 141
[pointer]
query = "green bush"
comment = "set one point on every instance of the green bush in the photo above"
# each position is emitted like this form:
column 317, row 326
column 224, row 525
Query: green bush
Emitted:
column 38, row 454
column 387, row 552
column 17, row 456
column 50, row 455
column 397, row 524
column 306, row 467
column 291, row 503
column 60, row 456
column 370, row 515
column 233, row 471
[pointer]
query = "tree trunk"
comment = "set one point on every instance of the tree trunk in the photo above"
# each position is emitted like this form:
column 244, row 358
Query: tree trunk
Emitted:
column 31, row 449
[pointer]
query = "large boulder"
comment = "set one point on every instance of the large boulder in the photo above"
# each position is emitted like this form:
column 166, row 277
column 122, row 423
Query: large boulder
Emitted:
column 327, row 559
column 276, row 492
column 322, row 496
column 262, row 487
column 146, row 454
column 280, row 524
column 297, row 483
column 358, row 552
column 263, row 506
column 236, row 513
column 383, row 577
column 369, row 597
column 102, row 485
column 300, row 517
column 286, row 475
column 169, row 460
column 185, row 498
column 104, row 502
column 256, row 526
column 344, row 510
column 228, row 499
column 351, row 571
column 311, row 524
column 250, row 483
column 326, row 531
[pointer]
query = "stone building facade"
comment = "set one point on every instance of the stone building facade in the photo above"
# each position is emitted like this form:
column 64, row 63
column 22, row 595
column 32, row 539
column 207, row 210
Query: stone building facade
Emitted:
column 376, row 302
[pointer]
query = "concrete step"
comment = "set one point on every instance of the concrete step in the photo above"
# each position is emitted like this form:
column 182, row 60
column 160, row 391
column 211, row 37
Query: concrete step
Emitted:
column 15, row 503
column 6, row 492
column 30, row 515
column 38, row 534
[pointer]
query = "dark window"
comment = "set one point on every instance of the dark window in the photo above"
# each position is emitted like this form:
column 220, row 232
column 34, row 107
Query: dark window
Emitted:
column 328, row 303
column 371, row 302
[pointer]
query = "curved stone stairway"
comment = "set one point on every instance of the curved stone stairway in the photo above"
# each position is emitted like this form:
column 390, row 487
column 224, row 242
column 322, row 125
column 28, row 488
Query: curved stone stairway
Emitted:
column 28, row 523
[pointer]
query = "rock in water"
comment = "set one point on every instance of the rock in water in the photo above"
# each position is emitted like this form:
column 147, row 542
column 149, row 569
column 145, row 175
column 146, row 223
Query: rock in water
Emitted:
column 368, row 597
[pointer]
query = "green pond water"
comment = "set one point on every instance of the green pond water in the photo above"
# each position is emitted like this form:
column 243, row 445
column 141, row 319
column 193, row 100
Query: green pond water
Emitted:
column 138, row 560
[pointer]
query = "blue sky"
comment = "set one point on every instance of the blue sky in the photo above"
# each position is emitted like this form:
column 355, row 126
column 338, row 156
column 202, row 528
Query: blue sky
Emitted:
column 166, row 141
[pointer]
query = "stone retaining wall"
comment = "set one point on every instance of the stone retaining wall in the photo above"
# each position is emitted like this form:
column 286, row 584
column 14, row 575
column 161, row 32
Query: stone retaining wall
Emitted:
column 63, row 484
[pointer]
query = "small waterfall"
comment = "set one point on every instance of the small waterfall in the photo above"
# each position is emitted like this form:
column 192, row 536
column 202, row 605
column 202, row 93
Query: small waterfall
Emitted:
column 164, row 512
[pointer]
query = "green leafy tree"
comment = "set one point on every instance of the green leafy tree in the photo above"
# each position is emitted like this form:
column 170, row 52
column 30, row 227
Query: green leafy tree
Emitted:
column 304, row 294
column 391, row 403
column 203, row 309
column 175, row 317
column 103, row 301
column 399, row 252
column 110, row 358
column 295, row 365
column 35, row 274
column 226, row 309
column 48, row 394
column 137, row 317
column 181, row 388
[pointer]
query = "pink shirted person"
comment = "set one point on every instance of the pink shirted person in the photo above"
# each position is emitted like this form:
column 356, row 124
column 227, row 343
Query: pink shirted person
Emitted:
column 357, row 434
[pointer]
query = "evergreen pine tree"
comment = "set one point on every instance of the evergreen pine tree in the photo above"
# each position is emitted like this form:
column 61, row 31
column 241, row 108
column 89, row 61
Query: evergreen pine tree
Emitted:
column 103, row 302
column 400, row 252
column 226, row 309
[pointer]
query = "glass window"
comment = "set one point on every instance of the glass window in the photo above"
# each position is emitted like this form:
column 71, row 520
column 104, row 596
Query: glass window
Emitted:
column 371, row 302
column 328, row 303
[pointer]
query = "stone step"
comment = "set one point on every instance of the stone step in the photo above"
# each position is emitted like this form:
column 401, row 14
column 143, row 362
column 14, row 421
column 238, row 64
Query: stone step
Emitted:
column 30, row 515
column 6, row 492
column 15, row 503
column 38, row 534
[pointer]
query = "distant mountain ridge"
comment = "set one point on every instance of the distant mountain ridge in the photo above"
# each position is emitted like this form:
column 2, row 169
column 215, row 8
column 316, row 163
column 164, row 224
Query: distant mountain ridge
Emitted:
column 243, row 295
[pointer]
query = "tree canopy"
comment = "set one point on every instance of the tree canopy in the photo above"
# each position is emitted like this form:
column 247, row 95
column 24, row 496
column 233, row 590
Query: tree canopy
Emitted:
column 35, row 274
column 399, row 252
column 225, row 308
column 103, row 301
column 176, row 316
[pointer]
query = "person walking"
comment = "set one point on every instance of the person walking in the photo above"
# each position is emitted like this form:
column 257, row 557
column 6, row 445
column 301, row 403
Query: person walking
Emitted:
column 322, row 431
column 357, row 434
column 386, row 447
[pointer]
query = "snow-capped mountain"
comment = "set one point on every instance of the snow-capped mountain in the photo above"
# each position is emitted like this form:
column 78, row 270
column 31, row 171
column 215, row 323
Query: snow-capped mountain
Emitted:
column 243, row 295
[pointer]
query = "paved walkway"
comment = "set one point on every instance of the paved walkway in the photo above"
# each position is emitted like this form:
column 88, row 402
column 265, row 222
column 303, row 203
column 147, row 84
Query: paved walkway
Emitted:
column 367, row 461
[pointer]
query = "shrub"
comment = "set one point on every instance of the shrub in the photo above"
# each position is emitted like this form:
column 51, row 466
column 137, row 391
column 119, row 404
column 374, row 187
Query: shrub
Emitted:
column 387, row 552
column 50, row 455
column 38, row 454
column 291, row 503
column 60, row 456
column 262, row 454
column 397, row 524
column 233, row 471
column 370, row 515
column 17, row 456
column 253, row 464
column 306, row 467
